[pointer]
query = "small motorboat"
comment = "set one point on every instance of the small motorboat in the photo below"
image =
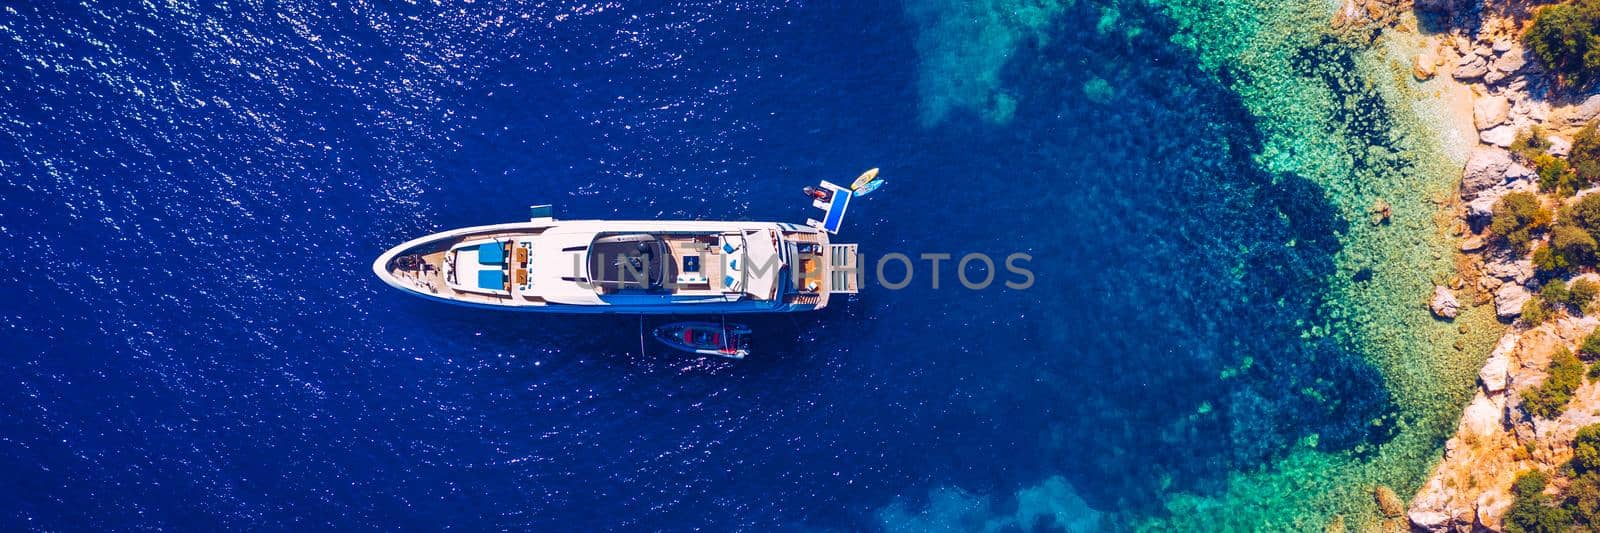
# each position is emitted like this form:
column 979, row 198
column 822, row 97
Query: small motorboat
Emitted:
column 706, row 338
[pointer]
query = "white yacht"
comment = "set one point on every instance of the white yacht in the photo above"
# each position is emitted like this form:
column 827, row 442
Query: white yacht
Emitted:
column 626, row 266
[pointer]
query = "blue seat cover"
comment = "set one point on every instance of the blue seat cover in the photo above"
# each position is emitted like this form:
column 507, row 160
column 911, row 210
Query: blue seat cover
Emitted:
column 493, row 280
column 491, row 253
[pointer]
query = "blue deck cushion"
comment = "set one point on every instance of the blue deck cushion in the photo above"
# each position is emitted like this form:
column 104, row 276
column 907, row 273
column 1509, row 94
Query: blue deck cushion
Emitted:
column 727, row 281
column 493, row 280
column 491, row 253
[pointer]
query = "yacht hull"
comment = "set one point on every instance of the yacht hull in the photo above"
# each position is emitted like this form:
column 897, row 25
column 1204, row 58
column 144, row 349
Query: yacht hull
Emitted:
column 545, row 266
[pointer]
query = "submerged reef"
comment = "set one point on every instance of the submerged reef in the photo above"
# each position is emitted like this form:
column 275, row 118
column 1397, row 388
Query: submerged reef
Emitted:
column 1251, row 422
column 964, row 45
column 952, row 509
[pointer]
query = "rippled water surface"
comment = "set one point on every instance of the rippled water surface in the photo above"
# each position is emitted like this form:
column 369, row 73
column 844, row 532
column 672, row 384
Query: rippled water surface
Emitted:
column 191, row 195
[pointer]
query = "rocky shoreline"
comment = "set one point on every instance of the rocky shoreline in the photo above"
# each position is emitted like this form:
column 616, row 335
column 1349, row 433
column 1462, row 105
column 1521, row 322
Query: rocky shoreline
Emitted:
column 1470, row 490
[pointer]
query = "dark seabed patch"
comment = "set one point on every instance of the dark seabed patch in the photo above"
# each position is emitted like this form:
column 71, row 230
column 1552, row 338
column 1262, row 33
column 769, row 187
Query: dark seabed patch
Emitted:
column 1180, row 286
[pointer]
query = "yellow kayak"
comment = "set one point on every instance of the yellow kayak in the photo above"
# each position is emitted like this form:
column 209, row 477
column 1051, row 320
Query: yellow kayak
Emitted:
column 866, row 177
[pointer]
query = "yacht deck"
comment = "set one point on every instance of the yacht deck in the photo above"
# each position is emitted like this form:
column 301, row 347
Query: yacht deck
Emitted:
column 688, row 266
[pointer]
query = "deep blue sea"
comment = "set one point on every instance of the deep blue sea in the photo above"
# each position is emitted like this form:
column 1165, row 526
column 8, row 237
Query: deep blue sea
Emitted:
column 191, row 195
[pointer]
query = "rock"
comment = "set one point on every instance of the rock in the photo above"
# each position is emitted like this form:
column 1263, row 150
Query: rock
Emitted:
column 1358, row 13
column 1511, row 61
column 1493, row 77
column 1494, row 372
column 1377, row 10
column 1473, row 244
column 1483, row 51
column 1432, row 521
column 1491, row 507
column 1481, row 208
column 1559, row 146
column 1434, row 498
column 1423, row 66
column 1526, row 112
column 1481, row 418
column 1501, row 136
column 1350, row 13
column 1336, row 525
column 1470, row 67
column 1508, row 300
column 1490, row 111
column 1517, row 84
column 1513, row 271
column 1381, row 211
column 1489, row 284
column 1444, row 303
column 1585, row 112
column 1486, row 167
column 1501, row 45
column 1388, row 502
column 1516, row 172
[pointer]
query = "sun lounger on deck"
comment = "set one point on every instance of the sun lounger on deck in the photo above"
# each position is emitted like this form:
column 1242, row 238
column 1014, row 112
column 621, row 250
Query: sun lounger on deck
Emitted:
column 491, row 253
column 492, row 280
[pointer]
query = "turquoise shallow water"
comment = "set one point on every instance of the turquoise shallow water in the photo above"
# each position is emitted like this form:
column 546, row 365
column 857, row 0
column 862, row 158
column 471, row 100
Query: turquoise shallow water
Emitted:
column 1334, row 123
column 195, row 191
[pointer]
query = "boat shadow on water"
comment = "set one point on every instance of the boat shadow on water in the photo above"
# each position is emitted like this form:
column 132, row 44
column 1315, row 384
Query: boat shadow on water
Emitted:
column 775, row 340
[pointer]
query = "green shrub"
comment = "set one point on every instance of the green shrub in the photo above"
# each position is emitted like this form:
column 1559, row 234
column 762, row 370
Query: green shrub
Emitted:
column 1583, row 499
column 1546, row 259
column 1583, row 292
column 1517, row 217
column 1531, row 511
column 1566, row 369
column 1530, row 483
column 1585, row 156
column 1537, row 311
column 1590, row 347
column 1583, row 494
column 1530, row 143
column 1555, row 293
column 1565, row 37
column 1555, row 176
column 1573, row 296
column 1586, row 449
column 1549, row 398
column 1570, row 247
column 1585, row 213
